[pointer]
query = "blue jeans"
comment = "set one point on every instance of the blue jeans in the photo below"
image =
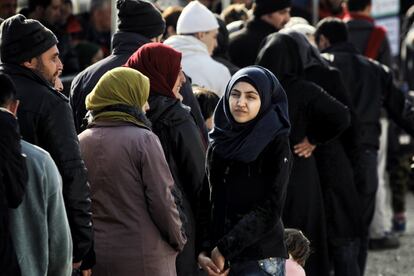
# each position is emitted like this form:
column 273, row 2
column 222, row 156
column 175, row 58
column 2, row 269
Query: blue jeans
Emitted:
column 253, row 268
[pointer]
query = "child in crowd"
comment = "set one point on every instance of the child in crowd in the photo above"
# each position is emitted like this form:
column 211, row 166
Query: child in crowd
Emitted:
column 207, row 101
column 299, row 250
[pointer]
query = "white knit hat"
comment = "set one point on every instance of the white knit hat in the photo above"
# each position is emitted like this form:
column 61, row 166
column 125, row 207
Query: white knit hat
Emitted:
column 195, row 18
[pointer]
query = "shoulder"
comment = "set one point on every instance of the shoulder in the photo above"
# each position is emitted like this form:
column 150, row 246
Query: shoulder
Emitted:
column 36, row 156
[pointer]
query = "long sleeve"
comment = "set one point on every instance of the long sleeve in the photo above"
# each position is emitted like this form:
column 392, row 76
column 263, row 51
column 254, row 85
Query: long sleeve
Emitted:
column 59, row 138
column 189, row 153
column 266, row 215
column 158, row 184
column 328, row 118
column 59, row 238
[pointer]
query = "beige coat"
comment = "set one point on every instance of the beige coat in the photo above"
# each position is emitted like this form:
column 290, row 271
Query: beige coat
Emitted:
column 136, row 222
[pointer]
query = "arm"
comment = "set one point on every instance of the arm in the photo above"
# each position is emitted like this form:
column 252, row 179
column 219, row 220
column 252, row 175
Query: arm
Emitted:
column 189, row 154
column 60, row 241
column 57, row 136
column 266, row 214
column 13, row 172
column 158, row 184
column 328, row 118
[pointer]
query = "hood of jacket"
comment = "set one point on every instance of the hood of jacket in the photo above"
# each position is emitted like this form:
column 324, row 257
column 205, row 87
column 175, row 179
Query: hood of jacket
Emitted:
column 188, row 45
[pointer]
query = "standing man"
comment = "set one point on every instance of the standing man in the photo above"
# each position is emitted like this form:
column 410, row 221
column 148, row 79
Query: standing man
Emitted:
column 31, row 58
column 370, row 40
column 269, row 16
column 197, row 29
column 371, row 88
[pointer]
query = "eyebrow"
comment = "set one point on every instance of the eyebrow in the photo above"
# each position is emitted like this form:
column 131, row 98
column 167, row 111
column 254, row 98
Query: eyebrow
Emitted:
column 248, row 92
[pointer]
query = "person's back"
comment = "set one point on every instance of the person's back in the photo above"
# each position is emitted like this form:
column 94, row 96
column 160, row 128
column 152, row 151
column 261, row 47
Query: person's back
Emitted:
column 269, row 17
column 138, row 22
column 39, row 226
column 370, row 40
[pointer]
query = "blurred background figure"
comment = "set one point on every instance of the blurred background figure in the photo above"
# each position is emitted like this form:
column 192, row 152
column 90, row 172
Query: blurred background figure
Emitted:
column 208, row 101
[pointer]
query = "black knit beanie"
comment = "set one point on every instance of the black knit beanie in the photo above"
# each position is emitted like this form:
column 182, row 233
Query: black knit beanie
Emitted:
column 140, row 17
column 269, row 6
column 23, row 39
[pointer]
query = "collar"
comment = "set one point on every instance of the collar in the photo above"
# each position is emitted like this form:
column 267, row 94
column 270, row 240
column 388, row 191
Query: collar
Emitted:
column 357, row 16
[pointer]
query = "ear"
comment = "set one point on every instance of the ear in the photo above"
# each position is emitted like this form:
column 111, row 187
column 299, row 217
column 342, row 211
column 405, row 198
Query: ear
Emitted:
column 171, row 31
column 13, row 107
column 199, row 35
column 30, row 64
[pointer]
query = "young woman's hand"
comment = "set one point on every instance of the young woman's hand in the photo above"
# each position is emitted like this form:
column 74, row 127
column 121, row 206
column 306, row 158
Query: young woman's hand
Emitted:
column 209, row 266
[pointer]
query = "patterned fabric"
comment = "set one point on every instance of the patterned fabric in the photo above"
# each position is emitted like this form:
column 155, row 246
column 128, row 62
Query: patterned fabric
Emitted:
column 273, row 266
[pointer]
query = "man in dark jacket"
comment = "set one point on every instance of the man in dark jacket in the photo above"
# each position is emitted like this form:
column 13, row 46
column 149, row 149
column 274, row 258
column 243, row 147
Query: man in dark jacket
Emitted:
column 13, row 173
column 369, row 39
column 31, row 58
column 371, row 87
column 269, row 16
column 48, row 12
column 139, row 22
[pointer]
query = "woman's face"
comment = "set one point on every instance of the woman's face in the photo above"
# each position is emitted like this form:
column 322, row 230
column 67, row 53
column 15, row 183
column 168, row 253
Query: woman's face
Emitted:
column 178, row 83
column 244, row 102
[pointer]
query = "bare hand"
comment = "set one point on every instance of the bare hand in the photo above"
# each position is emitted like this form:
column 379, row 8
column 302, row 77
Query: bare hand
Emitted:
column 58, row 85
column 304, row 148
column 87, row 272
column 218, row 259
column 76, row 265
column 208, row 265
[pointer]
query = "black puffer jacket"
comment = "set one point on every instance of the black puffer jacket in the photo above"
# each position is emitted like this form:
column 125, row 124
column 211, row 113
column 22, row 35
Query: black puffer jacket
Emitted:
column 45, row 120
column 125, row 44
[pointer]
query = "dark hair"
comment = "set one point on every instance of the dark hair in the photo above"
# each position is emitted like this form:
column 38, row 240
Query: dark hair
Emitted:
column 170, row 16
column 7, row 91
column 234, row 12
column 297, row 245
column 333, row 29
column 358, row 5
column 207, row 100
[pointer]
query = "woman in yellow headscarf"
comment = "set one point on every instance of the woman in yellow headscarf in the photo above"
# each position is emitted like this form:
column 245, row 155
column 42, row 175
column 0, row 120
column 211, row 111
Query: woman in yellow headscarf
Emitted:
column 136, row 222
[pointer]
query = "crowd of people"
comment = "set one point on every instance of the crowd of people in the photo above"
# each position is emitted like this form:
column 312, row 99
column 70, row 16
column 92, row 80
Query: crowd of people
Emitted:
column 192, row 143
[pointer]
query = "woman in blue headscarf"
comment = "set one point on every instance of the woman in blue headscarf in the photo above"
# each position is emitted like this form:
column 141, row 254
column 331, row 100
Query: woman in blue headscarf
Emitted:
column 248, row 166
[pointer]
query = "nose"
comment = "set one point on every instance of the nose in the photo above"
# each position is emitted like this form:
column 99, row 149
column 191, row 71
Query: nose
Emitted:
column 60, row 64
column 241, row 101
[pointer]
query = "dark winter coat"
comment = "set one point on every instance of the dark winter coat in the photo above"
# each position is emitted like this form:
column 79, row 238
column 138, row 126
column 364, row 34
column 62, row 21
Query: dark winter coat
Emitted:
column 333, row 161
column 319, row 117
column 45, row 120
column 245, row 44
column 371, row 87
column 241, row 232
column 184, row 150
column 124, row 44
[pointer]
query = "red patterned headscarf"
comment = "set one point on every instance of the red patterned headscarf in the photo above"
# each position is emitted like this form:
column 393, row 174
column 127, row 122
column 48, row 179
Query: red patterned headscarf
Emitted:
column 160, row 63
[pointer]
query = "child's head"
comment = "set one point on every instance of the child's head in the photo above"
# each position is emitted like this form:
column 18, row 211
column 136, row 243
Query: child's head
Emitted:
column 207, row 101
column 298, row 245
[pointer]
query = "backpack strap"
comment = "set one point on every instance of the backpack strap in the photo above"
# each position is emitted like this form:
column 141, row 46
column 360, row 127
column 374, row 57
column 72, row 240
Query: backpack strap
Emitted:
column 374, row 42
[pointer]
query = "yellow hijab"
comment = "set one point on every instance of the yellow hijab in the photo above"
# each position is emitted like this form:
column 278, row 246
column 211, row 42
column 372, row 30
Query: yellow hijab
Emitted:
column 123, row 86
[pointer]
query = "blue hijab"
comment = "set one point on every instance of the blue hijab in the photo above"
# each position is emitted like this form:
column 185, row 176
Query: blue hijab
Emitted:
column 245, row 141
